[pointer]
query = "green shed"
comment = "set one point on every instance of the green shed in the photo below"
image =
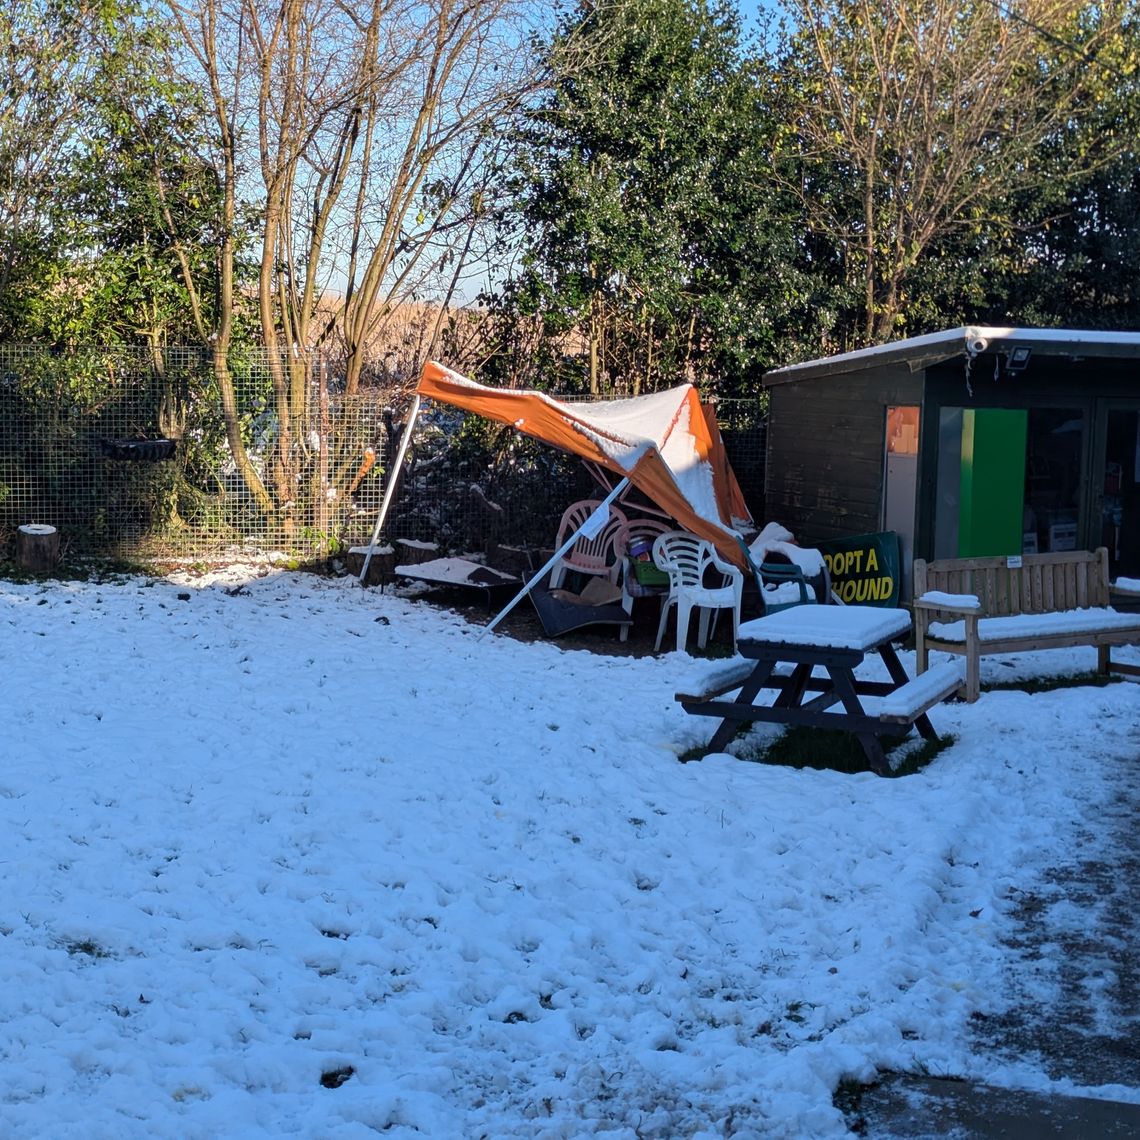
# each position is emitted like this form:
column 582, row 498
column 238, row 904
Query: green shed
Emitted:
column 973, row 441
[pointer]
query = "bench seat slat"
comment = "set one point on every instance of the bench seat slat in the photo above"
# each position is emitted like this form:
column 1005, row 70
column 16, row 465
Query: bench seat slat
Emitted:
column 1046, row 625
column 911, row 700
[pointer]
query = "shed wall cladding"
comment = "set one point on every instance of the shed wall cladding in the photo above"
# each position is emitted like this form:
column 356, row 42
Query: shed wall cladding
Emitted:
column 824, row 471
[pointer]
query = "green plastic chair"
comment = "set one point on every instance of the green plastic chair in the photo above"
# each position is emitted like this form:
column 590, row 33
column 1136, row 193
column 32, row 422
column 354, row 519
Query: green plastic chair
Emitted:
column 770, row 577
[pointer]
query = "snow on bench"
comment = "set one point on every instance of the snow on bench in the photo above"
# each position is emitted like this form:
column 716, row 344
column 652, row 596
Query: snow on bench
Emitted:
column 910, row 701
column 724, row 678
column 1029, row 627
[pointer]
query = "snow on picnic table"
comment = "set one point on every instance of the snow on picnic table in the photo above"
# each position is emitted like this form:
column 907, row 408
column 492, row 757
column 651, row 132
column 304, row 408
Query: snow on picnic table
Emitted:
column 263, row 832
column 835, row 627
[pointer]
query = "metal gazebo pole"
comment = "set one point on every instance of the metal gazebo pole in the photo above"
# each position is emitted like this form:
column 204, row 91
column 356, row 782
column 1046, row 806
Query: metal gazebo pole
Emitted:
column 393, row 479
column 592, row 525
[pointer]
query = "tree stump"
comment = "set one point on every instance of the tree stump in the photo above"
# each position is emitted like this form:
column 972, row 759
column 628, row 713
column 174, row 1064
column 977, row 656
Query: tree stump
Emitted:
column 410, row 552
column 380, row 565
column 37, row 547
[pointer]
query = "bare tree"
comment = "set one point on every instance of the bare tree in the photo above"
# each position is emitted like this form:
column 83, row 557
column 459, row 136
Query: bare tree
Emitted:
column 929, row 112
column 420, row 196
column 359, row 136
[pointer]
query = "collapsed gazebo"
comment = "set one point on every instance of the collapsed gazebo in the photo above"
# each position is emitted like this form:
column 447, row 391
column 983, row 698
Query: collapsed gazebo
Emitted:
column 666, row 444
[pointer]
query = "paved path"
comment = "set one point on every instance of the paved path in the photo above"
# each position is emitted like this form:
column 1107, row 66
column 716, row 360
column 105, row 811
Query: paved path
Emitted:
column 1077, row 940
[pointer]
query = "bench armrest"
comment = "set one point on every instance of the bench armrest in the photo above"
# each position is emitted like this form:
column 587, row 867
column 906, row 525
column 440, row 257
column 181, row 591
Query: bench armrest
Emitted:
column 961, row 604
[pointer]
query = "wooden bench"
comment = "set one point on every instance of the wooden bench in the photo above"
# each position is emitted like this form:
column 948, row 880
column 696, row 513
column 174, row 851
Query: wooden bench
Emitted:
column 976, row 606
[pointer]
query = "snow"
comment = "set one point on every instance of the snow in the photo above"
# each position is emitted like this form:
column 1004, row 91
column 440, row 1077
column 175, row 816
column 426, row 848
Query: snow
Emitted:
column 776, row 539
column 260, row 829
column 626, row 429
column 1094, row 619
column 920, row 690
column 455, row 572
column 837, row 627
column 966, row 340
column 955, row 601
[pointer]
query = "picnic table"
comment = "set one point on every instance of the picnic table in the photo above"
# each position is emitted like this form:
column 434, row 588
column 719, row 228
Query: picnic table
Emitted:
column 781, row 653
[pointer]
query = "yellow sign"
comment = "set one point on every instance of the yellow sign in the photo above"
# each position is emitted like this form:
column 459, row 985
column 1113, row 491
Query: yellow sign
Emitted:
column 864, row 570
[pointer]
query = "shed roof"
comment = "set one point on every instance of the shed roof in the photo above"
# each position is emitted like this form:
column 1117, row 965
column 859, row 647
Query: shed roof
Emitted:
column 970, row 340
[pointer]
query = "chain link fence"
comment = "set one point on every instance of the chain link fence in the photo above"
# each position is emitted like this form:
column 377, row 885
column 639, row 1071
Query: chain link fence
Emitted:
column 126, row 453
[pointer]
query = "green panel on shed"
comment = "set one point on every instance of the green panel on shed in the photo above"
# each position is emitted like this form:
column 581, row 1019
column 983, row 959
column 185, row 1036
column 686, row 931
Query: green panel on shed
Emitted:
column 993, row 482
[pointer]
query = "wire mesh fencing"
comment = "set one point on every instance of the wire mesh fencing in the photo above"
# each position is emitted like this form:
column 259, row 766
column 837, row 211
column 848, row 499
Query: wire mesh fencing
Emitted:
column 129, row 453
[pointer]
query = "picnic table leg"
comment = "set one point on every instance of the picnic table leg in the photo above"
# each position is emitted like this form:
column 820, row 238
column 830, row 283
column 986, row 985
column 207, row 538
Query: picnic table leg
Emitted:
column 844, row 681
column 793, row 693
column 873, row 749
column 898, row 675
column 728, row 727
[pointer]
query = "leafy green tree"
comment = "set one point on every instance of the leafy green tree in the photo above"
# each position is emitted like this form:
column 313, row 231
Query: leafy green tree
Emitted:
column 140, row 198
column 42, row 73
column 95, row 134
column 650, row 250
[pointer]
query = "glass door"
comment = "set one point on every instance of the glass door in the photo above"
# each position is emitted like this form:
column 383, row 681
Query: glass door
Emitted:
column 1012, row 480
column 1053, row 486
column 1116, row 498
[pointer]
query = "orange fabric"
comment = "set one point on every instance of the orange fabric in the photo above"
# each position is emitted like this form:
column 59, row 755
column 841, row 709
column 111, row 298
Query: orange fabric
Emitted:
column 733, row 506
column 556, row 424
column 526, row 411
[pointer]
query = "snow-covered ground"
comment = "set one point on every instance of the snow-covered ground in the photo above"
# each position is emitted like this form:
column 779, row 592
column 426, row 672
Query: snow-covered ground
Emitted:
column 260, row 831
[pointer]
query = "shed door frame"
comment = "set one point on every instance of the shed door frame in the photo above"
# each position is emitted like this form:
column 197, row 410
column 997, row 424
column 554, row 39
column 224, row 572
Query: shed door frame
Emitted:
column 1095, row 489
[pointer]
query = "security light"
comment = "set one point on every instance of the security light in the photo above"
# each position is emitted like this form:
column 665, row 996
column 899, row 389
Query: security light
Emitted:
column 1018, row 358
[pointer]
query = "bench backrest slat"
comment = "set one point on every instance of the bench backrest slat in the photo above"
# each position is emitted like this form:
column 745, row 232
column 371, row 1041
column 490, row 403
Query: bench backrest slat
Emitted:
column 1048, row 599
column 1063, row 580
column 1003, row 594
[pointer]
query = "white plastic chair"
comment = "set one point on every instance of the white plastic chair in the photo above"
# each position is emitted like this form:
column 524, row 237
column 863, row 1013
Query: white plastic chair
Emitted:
column 593, row 554
column 692, row 564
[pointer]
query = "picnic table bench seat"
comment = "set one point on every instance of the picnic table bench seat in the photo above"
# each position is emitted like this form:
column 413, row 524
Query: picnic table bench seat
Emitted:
column 906, row 703
column 977, row 606
column 902, row 705
column 723, row 679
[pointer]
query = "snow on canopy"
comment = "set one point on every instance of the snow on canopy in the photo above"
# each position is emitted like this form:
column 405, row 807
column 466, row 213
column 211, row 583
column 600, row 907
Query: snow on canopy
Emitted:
column 667, row 443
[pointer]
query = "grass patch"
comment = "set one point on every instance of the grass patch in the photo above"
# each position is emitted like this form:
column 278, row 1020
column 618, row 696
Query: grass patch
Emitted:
column 836, row 751
column 1049, row 684
column 86, row 947
column 848, row 1098
column 713, row 650
column 830, row 749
